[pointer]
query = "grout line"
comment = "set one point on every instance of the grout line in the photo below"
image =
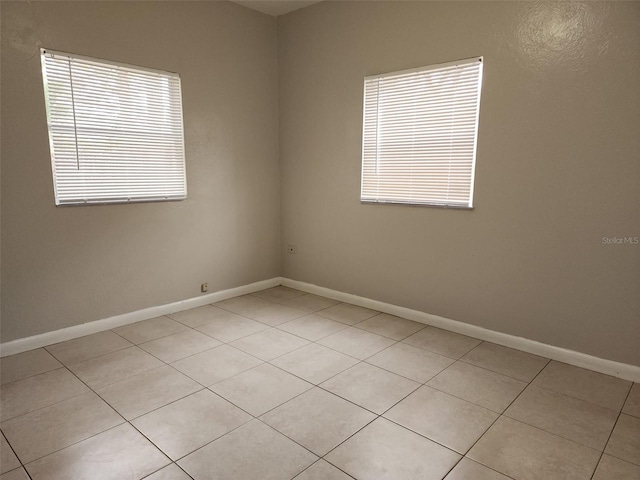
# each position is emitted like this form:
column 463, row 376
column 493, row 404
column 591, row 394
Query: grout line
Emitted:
column 377, row 417
column 491, row 426
column 215, row 439
column 167, row 466
column 14, row 453
column 288, row 437
column 309, row 381
column 461, row 359
column 52, row 404
column 91, row 390
column 469, row 401
column 76, row 442
column 571, row 398
column 455, row 359
column 124, row 420
column 123, row 378
column 222, row 380
column 329, row 463
column 90, row 358
column 306, row 338
column 611, row 433
column 271, row 409
column 541, row 387
column 307, row 468
column 157, row 356
column 359, row 361
column 166, row 404
column 361, row 406
column 224, row 343
column 422, row 327
column 143, row 321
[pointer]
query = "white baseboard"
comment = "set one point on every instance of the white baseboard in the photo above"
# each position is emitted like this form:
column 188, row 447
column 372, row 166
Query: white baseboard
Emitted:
column 69, row 333
column 608, row 367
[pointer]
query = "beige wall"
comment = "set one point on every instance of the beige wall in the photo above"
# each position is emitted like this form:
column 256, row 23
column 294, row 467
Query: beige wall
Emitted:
column 65, row 266
column 558, row 167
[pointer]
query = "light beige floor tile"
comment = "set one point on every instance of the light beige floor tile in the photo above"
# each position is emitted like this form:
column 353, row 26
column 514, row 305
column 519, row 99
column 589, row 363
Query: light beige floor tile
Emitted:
column 231, row 327
column 52, row 428
column 507, row 361
column 114, row 367
column 27, row 364
column 318, row 420
column 196, row 317
column 314, row 363
column 260, row 389
column 322, row 470
column 243, row 305
column 384, row 450
column 24, row 396
column 584, row 384
column 356, row 342
column 120, row 453
column 180, row 345
column 252, row 452
column 445, row 343
column 632, row 405
column 625, row 439
column 347, row 313
column 451, row 422
column 477, row 385
column 190, row 423
column 18, row 474
column 527, row 453
column 275, row 314
column 370, row 387
column 312, row 327
column 147, row 391
column 470, row 470
column 412, row 362
column 584, row 423
column 269, row 344
column 8, row 459
column 91, row 346
column 278, row 294
column 171, row 472
column 151, row 329
column 310, row 303
column 611, row 468
column 216, row 364
column 390, row 326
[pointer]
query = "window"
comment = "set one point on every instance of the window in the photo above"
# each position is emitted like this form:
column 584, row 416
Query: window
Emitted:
column 115, row 131
column 419, row 135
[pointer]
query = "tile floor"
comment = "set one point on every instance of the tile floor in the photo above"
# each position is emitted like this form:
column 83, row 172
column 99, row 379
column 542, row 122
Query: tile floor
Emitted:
column 281, row 384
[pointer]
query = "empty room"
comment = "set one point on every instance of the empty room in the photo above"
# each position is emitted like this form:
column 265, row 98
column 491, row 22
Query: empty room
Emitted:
column 321, row 240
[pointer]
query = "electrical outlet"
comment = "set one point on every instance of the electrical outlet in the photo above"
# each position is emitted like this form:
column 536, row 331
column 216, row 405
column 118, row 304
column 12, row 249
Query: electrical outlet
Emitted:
column 204, row 287
column 292, row 249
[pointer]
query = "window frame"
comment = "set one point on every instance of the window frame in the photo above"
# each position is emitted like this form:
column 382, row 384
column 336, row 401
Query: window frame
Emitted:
column 479, row 60
column 136, row 198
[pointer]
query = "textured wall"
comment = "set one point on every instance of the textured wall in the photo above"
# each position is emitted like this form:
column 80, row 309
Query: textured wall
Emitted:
column 558, row 167
column 65, row 266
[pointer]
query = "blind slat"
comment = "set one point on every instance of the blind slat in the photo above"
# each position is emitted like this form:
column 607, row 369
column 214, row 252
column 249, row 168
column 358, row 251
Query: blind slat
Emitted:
column 420, row 135
column 116, row 131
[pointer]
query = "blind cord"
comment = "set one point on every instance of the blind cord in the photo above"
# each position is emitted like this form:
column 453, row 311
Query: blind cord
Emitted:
column 73, row 106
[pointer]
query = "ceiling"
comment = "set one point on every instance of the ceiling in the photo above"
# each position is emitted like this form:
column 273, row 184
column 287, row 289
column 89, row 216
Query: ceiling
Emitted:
column 276, row 7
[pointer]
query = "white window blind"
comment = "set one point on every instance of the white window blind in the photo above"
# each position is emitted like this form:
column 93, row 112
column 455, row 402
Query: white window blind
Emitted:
column 419, row 135
column 115, row 131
